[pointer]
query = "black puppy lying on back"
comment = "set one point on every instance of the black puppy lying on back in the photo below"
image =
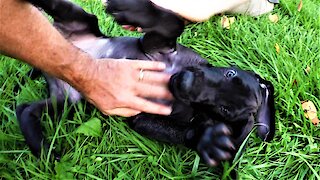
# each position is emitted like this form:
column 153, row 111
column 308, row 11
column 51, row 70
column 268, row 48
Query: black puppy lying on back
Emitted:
column 214, row 108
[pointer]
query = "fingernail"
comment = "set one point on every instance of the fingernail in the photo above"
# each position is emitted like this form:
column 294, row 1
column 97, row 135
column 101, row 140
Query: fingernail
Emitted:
column 139, row 29
column 167, row 111
column 161, row 65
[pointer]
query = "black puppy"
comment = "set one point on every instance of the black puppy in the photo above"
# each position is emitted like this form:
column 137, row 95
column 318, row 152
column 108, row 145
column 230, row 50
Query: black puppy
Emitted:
column 214, row 108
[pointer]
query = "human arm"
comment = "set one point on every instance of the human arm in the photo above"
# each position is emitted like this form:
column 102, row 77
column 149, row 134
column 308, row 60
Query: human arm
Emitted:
column 112, row 85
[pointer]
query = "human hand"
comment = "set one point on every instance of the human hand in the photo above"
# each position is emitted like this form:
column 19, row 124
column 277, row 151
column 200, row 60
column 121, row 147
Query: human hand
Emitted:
column 115, row 88
column 132, row 28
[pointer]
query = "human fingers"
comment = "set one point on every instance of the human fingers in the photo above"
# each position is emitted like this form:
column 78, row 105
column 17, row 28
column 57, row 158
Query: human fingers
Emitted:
column 153, row 77
column 119, row 111
column 147, row 106
column 129, row 27
column 125, row 112
column 139, row 29
column 148, row 65
column 132, row 28
column 153, row 91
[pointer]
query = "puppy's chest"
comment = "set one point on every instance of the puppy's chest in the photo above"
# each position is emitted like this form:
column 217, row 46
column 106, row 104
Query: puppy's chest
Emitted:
column 129, row 48
column 94, row 47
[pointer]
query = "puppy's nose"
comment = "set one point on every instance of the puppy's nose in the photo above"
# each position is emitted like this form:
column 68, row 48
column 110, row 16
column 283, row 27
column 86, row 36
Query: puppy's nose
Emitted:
column 187, row 81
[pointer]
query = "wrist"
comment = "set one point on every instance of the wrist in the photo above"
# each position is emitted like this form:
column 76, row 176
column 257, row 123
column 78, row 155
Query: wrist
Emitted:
column 78, row 71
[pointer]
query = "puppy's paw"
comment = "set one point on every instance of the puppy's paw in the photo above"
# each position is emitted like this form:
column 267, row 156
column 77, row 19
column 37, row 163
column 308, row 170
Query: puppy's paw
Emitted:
column 146, row 15
column 215, row 144
column 138, row 13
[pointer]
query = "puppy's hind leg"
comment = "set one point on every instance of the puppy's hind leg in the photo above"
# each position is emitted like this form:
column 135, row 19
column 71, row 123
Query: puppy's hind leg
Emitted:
column 69, row 18
column 29, row 116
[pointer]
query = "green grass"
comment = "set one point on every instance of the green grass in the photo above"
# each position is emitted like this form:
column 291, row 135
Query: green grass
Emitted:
column 120, row 153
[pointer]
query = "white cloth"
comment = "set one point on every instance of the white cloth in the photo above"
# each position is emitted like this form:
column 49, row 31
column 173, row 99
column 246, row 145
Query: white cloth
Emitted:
column 253, row 7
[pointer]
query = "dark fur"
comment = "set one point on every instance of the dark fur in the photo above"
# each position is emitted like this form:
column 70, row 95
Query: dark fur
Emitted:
column 214, row 108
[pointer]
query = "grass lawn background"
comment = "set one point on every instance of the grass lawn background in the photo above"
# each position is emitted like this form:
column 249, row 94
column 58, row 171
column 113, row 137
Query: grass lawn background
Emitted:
column 120, row 153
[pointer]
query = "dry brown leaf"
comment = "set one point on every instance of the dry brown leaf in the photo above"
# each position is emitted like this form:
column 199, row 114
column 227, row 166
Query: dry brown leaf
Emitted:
column 277, row 48
column 274, row 18
column 310, row 111
column 226, row 22
column 300, row 6
column 295, row 83
column 308, row 69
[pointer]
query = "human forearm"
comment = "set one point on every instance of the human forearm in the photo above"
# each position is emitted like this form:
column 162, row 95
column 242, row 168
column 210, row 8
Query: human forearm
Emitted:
column 111, row 85
column 27, row 35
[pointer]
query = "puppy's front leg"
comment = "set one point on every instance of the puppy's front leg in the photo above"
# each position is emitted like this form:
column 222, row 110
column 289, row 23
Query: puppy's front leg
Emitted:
column 212, row 141
column 162, row 27
column 162, row 128
column 145, row 14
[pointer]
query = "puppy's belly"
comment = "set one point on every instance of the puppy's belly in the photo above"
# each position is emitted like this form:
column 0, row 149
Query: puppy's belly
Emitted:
column 95, row 46
column 129, row 48
column 98, row 48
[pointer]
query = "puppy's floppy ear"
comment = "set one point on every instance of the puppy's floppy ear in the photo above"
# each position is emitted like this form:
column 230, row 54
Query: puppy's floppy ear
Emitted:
column 266, row 112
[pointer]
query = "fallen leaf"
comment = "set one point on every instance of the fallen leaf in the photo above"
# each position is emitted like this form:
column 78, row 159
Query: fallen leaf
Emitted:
column 90, row 128
column 226, row 22
column 274, row 18
column 310, row 111
column 277, row 48
column 232, row 20
column 308, row 69
column 295, row 83
column 300, row 6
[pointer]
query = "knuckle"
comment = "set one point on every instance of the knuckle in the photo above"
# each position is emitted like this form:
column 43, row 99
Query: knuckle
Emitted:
column 167, row 94
column 166, row 77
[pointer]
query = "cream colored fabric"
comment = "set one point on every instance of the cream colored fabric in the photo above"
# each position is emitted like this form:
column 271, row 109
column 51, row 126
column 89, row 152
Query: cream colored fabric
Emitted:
column 253, row 7
column 201, row 10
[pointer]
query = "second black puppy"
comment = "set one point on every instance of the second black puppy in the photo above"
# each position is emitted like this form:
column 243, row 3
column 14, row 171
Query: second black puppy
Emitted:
column 214, row 108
